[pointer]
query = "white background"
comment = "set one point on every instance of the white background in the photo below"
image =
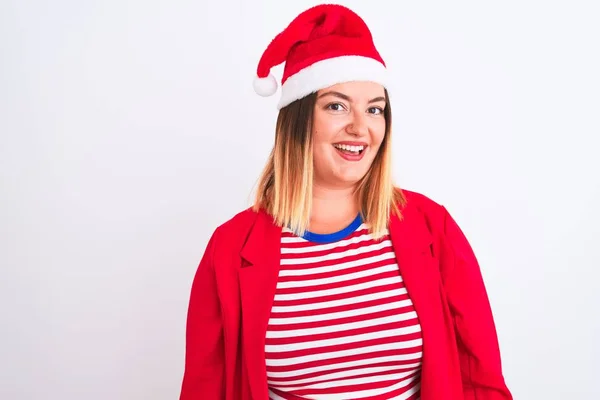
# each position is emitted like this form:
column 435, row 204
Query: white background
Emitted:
column 129, row 130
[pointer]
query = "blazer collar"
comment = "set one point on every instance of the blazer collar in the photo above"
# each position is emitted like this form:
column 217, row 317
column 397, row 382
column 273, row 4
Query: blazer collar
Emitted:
column 412, row 243
column 263, row 232
column 258, row 280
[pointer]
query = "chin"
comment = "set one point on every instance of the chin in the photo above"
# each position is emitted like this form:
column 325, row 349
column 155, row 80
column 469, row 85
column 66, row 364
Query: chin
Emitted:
column 349, row 179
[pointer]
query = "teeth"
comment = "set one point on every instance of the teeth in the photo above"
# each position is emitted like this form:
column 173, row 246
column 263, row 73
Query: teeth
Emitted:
column 354, row 149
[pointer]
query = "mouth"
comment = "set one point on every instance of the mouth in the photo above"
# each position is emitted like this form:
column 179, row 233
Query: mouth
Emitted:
column 350, row 152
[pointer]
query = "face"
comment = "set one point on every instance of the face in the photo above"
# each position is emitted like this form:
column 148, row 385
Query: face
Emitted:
column 348, row 129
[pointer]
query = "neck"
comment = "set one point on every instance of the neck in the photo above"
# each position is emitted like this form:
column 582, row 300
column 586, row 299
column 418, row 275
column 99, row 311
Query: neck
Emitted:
column 333, row 204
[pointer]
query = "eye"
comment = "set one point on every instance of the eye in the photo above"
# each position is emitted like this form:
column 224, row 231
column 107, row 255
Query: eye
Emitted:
column 335, row 107
column 376, row 110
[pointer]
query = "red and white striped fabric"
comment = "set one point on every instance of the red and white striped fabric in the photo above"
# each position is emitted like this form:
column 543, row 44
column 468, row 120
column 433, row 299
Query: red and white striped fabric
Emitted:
column 342, row 324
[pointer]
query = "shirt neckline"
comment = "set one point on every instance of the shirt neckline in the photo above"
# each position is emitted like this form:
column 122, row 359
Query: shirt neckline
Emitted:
column 335, row 236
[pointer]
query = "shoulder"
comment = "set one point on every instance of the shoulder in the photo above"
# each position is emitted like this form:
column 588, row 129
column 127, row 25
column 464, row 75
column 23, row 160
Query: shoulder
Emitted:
column 239, row 220
column 237, row 225
column 417, row 202
column 421, row 209
column 228, row 238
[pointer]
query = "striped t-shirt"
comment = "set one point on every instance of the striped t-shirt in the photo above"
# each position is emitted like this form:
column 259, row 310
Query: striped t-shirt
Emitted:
column 342, row 324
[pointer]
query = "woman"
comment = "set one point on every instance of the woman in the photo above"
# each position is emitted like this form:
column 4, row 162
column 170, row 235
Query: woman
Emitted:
column 336, row 284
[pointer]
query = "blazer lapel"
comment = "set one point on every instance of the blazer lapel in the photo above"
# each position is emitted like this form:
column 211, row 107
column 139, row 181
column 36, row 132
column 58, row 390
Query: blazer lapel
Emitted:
column 258, row 280
column 411, row 240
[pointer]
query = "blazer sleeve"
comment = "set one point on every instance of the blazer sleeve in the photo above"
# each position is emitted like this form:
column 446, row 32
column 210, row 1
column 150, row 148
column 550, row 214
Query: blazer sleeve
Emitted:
column 203, row 376
column 477, row 340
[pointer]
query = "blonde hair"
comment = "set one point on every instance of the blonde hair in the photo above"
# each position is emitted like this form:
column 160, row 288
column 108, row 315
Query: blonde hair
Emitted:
column 284, row 188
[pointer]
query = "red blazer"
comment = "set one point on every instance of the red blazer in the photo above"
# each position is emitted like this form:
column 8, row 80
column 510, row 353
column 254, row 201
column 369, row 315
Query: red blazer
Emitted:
column 234, row 287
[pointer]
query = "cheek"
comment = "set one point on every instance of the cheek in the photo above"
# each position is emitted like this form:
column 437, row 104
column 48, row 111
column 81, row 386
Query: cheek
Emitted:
column 322, row 153
column 323, row 137
column 319, row 142
column 326, row 126
column 378, row 135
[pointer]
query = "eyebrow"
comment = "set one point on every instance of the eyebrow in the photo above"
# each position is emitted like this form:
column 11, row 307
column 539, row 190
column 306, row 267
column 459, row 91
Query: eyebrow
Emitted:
column 347, row 98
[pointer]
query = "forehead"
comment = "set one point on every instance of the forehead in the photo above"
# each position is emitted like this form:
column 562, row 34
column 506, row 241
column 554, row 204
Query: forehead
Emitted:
column 357, row 90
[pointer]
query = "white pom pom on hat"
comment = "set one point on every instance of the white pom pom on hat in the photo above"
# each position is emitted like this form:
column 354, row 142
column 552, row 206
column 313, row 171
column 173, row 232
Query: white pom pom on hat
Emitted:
column 265, row 86
column 322, row 46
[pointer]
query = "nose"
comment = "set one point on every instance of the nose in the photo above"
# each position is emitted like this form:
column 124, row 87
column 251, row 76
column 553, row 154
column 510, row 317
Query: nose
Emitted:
column 358, row 125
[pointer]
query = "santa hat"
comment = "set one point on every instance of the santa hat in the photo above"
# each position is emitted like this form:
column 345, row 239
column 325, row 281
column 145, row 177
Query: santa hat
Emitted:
column 324, row 45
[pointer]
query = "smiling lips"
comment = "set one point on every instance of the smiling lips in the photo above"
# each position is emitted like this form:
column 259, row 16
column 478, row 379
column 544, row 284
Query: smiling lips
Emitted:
column 351, row 151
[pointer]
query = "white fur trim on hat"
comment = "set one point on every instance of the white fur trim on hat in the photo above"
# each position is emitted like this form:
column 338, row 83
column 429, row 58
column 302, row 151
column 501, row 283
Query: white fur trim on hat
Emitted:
column 329, row 72
column 265, row 86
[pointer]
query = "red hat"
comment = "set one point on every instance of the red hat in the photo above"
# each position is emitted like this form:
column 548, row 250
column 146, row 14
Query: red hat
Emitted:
column 324, row 45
